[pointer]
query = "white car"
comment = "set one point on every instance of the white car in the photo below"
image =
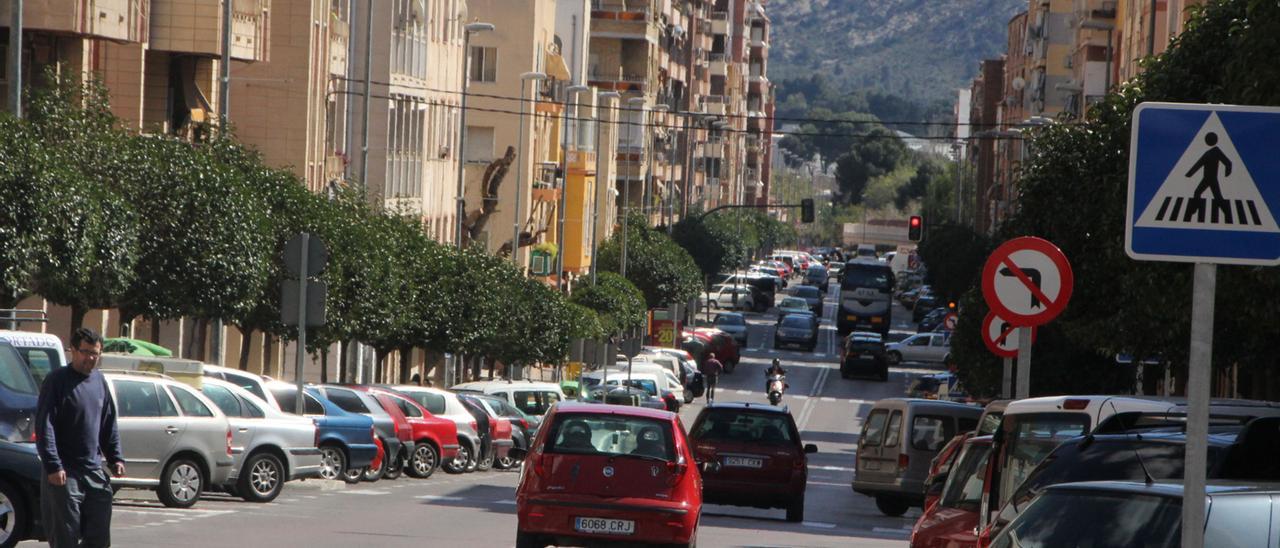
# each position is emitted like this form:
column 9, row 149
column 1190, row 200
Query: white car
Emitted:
column 534, row 398
column 252, row 382
column 923, row 347
column 269, row 447
column 723, row 296
column 445, row 404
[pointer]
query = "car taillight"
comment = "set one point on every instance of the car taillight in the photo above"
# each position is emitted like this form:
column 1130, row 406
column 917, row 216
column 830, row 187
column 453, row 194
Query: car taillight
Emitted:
column 1075, row 404
column 524, row 424
column 228, row 442
column 903, row 461
column 395, row 428
column 373, row 433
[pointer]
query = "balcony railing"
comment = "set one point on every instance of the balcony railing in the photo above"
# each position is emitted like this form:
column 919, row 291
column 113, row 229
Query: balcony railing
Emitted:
column 719, row 22
column 617, row 76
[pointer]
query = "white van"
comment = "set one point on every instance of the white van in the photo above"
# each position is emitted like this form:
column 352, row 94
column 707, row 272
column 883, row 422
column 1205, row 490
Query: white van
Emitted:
column 44, row 352
column 532, row 397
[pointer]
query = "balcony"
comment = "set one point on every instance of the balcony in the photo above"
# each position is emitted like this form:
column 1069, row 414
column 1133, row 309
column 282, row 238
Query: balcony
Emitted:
column 713, row 104
column 759, row 37
column 719, row 64
column 1094, row 9
column 339, row 37
column 195, row 27
column 756, row 72
column 624, row 10
column 618, row 80
column 720, row 22
column 624, row 19
column 712, row 149
column 119, row 20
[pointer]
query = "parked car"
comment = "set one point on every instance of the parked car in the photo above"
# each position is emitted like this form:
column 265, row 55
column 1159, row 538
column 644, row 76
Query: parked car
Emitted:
column 269, row 446
column 21, row 474
column 793, row 305
column 921, row 347
column 756, row 455
column 18, row 394
column 656, row 382
column 900, row 437
column 923, row 306
column 435, row 439
column 796, row 330
column 175, row 440
column 445, row 404
column 346, row 440
column 43, row 352
column 356, row 401
column 534, row 398
column 932, row 320
column 255, row 384
column 940, row 468
column 863, row 353
column 734, row 324
column 523, row 427
column 951, row 522
column 1123, row 513
column 641, row 482
column 396, row 459
column 498, row 429
column 812, row 297
column 816, row 276
column 732, row 297
column 834, row 270
column 615, row 394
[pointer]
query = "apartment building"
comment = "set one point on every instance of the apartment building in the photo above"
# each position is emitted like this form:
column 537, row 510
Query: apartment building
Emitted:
column 760, row 93
column 986, row 94
column 1012, row 117
column 1093, row 23
column 1050, row 42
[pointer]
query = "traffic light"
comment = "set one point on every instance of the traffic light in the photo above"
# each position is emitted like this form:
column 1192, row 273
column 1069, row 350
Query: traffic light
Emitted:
column 915, row 228
column 806, row 210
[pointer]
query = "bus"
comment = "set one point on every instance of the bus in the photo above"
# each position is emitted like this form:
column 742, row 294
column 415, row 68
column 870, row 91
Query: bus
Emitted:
column 866, row 297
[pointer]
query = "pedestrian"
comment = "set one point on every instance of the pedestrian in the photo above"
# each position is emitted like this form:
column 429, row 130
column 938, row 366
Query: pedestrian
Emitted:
column 75, row 429
column 711, row 368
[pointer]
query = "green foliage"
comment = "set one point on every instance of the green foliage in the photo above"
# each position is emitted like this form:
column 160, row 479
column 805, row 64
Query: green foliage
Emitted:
column 954, row 255
column 714, row 241
column 618, row 303
column 27, row 175
column 663, row 270
column 867, row 159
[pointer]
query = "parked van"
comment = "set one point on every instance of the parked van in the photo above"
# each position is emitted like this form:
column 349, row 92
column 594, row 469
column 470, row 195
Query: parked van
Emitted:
column 44, row 352
column 534, row 398
column 900, row 437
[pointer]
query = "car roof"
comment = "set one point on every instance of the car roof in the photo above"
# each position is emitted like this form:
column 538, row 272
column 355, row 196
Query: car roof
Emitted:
column 481, row 385
column 31, row 339
column 922, row 402
column 1220, row 439
column 747, row 406
column 574, row 407
column 1168, row 488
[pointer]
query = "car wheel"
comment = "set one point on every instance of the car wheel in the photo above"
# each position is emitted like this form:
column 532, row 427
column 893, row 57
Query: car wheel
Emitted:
column 14, row 519
column 424, row 461
column 374, row 474
column 891, row 507
column 261, row 478
column 895, row 357
column 484, row 464
column 795, row 510
column 688, row 396
column 529, row 540
column 884, row 375
column 181, row 483
column 459, row 463
column 396, row 467
column 333, row 462
column 353, row 475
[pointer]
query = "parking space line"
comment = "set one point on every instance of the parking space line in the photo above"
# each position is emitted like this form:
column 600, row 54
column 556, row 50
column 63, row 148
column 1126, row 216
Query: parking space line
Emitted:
column 443, row 498
column 819, row 524
column 831, row 468
column 889, row 531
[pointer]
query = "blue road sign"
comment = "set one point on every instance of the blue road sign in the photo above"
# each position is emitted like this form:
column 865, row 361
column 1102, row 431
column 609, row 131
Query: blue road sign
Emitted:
column 1203, row 183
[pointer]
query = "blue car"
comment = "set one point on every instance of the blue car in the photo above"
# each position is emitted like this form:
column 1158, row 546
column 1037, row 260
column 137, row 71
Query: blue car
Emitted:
column 18, row 392
column 20, row 477
column 345, row 439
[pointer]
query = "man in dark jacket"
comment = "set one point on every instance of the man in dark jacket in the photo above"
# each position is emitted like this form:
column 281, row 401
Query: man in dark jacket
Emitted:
column 75, row 428
column 711, row 368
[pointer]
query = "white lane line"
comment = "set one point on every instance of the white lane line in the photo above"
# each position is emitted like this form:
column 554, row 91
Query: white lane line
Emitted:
column 831, row 468
column 819, row 524
column 443, row 498
column 889, row 531
column 829, row 484
column 828, row 398
column 367, row 492
column 506, row 502
column 744, row 392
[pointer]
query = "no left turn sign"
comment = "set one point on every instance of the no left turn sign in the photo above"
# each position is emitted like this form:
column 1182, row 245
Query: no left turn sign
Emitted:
column 949, row 322
column 1027, row 281
column 1001, row 337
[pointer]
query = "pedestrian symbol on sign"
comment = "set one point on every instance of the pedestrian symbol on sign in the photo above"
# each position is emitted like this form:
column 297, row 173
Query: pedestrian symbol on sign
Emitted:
column 1209, row 188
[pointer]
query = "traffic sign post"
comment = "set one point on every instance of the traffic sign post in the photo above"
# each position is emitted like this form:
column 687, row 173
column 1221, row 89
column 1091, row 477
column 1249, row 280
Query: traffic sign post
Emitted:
column 1027, row 282
column 1203, row 183
column 1003, row 340
column 303, row 305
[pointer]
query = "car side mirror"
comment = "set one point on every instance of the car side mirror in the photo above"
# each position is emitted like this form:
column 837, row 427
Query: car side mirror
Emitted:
column 517, row 453
column 810, row 448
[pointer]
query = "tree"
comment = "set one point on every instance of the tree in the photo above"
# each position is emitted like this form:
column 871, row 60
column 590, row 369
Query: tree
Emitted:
column 663, row 270
column 954, row 255
column 713, row 241
column 877, row 154
column 618, row 304
column 27, row 173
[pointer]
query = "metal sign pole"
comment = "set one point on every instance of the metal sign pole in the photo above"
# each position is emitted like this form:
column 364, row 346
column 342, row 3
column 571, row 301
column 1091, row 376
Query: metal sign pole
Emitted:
column 1198, row 380
column 1024, row 363
column 298, row 407
column 1006, row 379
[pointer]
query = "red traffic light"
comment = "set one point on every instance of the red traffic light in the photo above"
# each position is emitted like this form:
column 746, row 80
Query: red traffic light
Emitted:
column 915, row 228
column 915, row 221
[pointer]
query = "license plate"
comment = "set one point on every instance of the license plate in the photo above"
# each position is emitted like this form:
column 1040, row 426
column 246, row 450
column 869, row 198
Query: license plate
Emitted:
column 871, row 465
column 604, row 526
column 743, row 462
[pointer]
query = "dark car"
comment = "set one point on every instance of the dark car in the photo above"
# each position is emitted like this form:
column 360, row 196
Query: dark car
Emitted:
column 811, row 295
column 923, row 307
column 354, row 401
column 752, row 455
column 20, row 477
column 18, row 391
column 796, row 330
column 932, row 320
column 863, row 354
column 735, row 324
column 346, row 439
column 816, row 276
column 523, row 426
column 498, row 445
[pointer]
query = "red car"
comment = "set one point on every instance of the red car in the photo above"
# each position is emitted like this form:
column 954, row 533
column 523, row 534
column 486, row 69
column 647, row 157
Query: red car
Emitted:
column 940, row 468
column 609, row 474
column 435, row 439
column 721, row 344
column 950, row 522
column 403, row 432
column 755, row 457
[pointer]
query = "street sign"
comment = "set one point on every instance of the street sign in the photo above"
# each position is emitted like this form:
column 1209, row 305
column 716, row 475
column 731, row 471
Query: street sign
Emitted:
column 949, row 321
column 317, row 256
column 1001, row 337
column 315, row 310
column 630, row 346
column 1027, row 281
column 1204, row 181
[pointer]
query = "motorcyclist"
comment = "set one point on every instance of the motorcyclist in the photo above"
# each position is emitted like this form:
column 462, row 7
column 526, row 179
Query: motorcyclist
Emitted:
column 774, row 369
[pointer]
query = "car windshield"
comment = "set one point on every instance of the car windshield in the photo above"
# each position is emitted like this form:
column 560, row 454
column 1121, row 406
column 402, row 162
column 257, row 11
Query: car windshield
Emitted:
column 1082, row 518
column 964, row 487
column 730, row 320
column 1029, row 439
column 14, row 374
column 807, row 292
column 745, row 427
column 873, row 277
column 611, row 435
column 793, row 302
column 796, row 322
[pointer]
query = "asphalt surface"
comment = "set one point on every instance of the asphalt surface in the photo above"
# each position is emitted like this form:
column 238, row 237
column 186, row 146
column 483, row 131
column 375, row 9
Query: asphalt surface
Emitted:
column 478, row 509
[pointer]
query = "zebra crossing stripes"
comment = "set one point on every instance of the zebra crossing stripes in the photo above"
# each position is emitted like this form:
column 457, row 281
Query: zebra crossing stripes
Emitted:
column 1246, row 211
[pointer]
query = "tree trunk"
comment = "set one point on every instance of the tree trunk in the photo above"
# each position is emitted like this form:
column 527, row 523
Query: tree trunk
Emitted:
column 492, row 363
column 155, row 330
column 77, row 318
column 492, row 179
column 246, row 346
column 268, row 343
column 475, row 368
column 201, row 336
column 405, row 354
column 324, row 365
column 343, row 349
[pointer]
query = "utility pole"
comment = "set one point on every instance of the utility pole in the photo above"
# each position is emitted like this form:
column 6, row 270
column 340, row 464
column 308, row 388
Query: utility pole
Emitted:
column 224, row 116
column 368, row 85
column 13, row 72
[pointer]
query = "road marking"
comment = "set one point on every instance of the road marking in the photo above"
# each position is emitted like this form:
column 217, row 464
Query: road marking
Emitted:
column 827, row 484
column 831, row 468
column 889, row 531
column 828, row 398
column 442, row 498
column 367, row 492
column 819, row 524
column 506, row 502
column 818, row 385
column 744, row 392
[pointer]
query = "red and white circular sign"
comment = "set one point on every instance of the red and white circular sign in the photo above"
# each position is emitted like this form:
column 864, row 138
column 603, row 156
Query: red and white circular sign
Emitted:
column 1027, row 281
column 949, row 321
column 1001, row 337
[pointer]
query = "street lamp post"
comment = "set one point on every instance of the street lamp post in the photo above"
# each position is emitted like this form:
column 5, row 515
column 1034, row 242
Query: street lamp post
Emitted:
column 462, row 124
column 600, row 162
column 515, row 239
column 569, row 93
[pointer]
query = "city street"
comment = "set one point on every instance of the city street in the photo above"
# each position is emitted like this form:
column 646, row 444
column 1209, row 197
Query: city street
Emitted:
column 478, row 509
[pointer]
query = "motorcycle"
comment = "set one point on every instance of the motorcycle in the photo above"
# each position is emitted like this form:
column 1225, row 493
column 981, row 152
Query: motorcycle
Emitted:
column 777, row 385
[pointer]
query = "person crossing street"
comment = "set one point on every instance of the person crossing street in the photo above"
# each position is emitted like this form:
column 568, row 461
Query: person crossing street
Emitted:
column 711, row 369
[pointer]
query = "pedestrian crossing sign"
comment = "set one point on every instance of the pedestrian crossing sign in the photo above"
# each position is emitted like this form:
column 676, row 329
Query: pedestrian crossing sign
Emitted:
column 1203, row 183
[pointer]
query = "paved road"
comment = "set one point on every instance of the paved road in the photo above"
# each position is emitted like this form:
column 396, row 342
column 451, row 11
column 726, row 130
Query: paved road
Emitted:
column 479, row 509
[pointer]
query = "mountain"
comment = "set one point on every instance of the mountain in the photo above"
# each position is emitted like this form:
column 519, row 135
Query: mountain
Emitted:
column 920, row 50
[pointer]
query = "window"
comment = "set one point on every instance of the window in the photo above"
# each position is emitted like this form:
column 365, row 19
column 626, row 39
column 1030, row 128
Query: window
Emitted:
column 285, row 397
column 873, row 430
column 347, row 400
column 753, row 428
column 408, row 408
column 40, row 360
column 894, row 432
column 248, row 383
column 14, row 374
column 484, row 64
column 190, row 404
column 534, row 402
column 433, row 402
column 930, row 433
column 479, row 144
column 137, row 399
column 224, row 399
column 1092, row 518
column 919, row 341
column 611, row 435
column 964, row 487
column 250, row 409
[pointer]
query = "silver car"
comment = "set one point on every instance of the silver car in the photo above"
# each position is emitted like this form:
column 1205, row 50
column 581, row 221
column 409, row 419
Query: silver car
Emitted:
column 175, row 440
column 445, row 405
column 269, row 446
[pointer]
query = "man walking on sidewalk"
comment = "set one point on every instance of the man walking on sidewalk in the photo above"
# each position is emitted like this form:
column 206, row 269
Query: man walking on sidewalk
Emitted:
column 75, row 428
column 711, row 368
